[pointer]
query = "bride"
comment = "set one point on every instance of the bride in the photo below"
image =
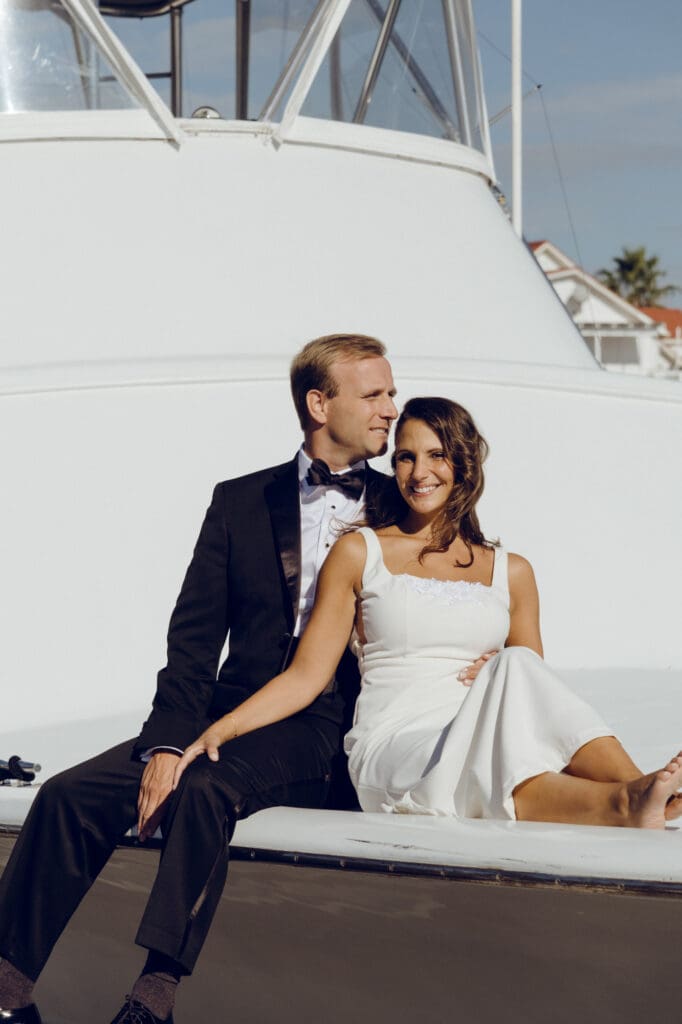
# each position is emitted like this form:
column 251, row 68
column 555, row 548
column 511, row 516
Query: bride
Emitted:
column 458, row 713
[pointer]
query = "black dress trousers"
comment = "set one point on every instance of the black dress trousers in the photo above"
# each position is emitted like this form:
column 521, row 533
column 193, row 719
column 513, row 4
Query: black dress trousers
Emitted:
column 80, row 815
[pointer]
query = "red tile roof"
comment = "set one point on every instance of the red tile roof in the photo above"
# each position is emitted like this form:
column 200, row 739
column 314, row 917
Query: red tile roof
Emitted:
column 536, row 245
column 672, row 318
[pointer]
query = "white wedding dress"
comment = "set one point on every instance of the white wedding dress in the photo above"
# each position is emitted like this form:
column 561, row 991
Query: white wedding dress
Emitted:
column 424, row 743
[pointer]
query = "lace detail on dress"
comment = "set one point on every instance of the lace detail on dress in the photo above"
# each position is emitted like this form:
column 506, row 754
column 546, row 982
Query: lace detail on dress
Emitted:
column 447, row 591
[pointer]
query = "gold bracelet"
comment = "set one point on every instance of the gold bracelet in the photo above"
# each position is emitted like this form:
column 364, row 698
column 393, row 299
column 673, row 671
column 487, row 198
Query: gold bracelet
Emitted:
column 234, row 726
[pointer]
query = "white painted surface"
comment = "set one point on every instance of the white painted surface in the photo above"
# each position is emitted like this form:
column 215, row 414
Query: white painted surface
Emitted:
column 556, row 850
column 152, row 297
column 35, row 125
column 105, row 489
column 641, row 708
column 230, row 246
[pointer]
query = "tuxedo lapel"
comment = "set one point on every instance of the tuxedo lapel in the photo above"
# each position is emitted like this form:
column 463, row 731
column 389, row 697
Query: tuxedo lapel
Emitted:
column 282, row 498
column 283, row 501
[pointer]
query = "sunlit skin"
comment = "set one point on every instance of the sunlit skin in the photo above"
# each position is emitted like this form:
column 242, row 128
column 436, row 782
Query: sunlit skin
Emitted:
column 425, row 479
column 600, row 786
column 423, row 473
column 352, row 425
column 355, row 423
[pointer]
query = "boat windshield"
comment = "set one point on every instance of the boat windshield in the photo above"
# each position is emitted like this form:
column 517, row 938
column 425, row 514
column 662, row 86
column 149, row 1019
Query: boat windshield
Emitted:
column 49, row 63
column 407, row 65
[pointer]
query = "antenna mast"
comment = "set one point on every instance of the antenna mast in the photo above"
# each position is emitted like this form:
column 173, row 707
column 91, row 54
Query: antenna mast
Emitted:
column 517, row 101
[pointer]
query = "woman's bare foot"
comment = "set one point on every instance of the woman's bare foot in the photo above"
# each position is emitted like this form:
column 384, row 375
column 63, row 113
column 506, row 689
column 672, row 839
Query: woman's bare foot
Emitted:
column 653, row 799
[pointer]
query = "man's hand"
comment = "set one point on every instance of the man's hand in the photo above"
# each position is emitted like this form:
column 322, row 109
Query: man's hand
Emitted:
column 155, row 788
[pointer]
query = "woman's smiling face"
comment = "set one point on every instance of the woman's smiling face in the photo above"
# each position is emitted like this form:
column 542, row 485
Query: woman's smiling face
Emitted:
column 423, row 473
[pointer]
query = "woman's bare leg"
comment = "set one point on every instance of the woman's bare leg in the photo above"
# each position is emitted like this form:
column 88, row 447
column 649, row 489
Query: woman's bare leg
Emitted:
column 639, row 803
column 603, row 760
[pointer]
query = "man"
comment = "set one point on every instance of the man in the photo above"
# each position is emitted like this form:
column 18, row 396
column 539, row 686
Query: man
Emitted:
column 253, row 574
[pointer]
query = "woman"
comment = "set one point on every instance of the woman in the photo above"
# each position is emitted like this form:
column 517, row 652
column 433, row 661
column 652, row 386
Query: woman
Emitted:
column 431, row 600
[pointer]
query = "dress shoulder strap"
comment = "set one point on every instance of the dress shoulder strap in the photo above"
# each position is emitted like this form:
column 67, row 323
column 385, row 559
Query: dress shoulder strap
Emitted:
column 375, row 558
column 500, row 580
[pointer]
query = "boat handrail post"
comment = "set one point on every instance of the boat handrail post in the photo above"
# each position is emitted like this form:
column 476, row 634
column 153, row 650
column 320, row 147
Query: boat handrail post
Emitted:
column 422, row 84
column 331, row 20
column 376, row 61
column 243, row 44
column 176, row 58
column 90, row 21
column 293, row 64
column 455, row 54
column 483, row 106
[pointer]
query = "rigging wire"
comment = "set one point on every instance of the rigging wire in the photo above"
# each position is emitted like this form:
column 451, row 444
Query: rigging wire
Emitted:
column 562, row 180
column 506, row 56
column 581, row 266
column 537, row 88
column 505, row 110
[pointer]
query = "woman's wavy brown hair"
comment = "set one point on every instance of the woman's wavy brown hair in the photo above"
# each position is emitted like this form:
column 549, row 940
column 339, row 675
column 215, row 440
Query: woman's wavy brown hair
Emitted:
column 466, row 450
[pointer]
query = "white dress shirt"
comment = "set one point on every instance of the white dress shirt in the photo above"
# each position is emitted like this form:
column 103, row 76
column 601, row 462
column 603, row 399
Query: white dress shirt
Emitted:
column 325, row 511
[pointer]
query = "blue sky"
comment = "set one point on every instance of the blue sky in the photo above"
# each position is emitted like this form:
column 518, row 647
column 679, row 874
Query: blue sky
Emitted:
column 611, row 72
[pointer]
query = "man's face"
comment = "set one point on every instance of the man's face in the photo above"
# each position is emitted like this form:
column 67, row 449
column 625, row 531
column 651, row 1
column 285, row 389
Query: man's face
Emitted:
column 359, row 416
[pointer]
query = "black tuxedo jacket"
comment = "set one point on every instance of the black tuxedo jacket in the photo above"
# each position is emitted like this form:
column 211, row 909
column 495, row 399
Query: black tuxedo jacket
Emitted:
column 243, row 580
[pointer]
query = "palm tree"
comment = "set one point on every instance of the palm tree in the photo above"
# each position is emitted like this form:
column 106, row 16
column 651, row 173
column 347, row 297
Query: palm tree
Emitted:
column 637, row 278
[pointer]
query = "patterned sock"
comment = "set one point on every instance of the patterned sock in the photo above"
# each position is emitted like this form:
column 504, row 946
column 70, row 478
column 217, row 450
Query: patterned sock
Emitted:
column 155, row 988
column 15, row 988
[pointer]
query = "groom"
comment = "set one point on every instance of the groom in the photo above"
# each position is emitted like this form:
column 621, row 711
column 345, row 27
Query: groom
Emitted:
column 253, row 575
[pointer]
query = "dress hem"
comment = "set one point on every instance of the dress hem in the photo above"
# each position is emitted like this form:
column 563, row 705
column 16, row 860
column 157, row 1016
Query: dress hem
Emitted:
column 523, row 775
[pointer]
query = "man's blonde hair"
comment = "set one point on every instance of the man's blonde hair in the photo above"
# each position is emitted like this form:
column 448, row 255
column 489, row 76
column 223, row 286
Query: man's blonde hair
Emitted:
column 311, row 369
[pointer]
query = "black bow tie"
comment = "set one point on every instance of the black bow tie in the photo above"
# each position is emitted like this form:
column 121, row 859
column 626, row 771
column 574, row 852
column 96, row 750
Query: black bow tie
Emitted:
column 352, row 483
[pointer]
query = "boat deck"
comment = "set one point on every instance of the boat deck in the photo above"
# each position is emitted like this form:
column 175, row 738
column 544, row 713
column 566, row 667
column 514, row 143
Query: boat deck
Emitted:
column 338, row 916
column 292, row 944
column 644, row 709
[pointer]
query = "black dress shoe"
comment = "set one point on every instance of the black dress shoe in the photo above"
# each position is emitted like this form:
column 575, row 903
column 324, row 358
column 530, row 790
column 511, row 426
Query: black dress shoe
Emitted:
column 133, row 1012
column 25, row 1015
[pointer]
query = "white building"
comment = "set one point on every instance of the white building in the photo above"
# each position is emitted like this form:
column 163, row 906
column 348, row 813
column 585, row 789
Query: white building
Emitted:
column 670, row 322
column 620, row 336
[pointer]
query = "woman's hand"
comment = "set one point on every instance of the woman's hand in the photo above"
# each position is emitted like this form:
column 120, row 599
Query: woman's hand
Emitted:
column 208, row 743
column 468, row 674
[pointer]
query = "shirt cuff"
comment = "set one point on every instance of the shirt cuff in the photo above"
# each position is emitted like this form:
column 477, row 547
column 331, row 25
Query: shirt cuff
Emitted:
column 147, row 755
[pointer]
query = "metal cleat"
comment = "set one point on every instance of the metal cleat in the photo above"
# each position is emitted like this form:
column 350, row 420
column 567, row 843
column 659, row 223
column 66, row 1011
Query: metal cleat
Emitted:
column 16, row 772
